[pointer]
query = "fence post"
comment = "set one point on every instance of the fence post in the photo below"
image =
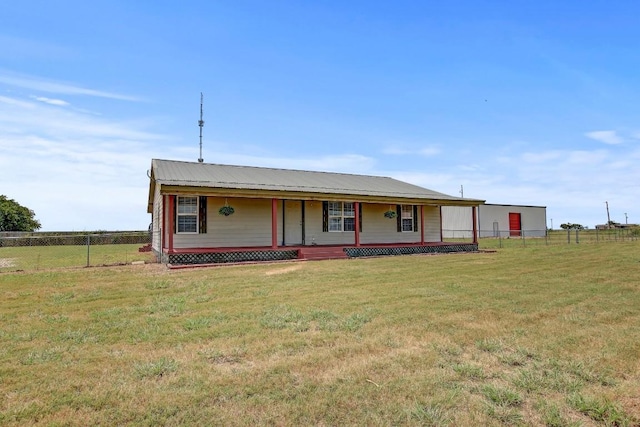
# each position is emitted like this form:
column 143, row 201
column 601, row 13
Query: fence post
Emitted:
column 597, row 236
column 524, row 243
column 577, row 236
column 88, row 239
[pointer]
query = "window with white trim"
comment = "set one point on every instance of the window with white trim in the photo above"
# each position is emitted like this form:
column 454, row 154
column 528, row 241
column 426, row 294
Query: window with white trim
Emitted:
column 187, row 214
column 407, row 217
column 342, row 216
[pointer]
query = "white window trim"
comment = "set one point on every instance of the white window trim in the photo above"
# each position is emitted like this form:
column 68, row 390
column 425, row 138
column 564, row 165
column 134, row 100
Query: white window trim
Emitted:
column 409, row 208
column 342, row 217
column 196, row 214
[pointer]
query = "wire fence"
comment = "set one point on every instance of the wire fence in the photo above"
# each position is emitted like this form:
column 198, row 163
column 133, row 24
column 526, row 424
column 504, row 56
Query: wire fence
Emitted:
column 42, row 251
column 39, row 251
column 492, row 239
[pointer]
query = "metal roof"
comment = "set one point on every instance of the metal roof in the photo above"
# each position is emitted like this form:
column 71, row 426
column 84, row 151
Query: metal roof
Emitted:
column 192, row 174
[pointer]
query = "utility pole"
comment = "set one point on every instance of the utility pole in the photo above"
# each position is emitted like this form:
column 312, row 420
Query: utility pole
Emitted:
column 608, row 217
column 626, row 218
column 461, row 191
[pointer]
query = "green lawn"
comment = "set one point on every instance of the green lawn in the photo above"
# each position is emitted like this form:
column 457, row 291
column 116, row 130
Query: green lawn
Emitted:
column 544, row 335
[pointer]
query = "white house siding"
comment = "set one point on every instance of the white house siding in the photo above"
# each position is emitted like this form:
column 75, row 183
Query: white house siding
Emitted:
column 250, row 225
column 378, row 229
column 533, row 220
column 156, row 221
column 457, row 222
column 432, row 224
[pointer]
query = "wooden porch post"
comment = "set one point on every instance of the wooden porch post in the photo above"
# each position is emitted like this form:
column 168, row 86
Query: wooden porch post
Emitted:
column 422, row 225
column 440, row 208
column 475, row 224
column 163, row 224
column 357, row 223
column 172, row 220
column 274, row 223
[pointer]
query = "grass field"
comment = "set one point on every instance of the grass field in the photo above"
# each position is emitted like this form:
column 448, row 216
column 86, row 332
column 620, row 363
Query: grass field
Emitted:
column 545, row 335
column 30, row 258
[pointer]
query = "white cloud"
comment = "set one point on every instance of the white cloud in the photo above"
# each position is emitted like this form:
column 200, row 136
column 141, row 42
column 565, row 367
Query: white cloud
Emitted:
column 396, row 151
column 587, row 158
column 605, row 136
column 51, row 101
column 400, row 150
column 49, row 86
column 429, row 151
column 542, row 157
column 76, row 171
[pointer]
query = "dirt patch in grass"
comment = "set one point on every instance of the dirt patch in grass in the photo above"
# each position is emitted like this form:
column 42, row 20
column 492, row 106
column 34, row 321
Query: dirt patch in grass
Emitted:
column 283, row 270
column 632, row 406
column 7, row 262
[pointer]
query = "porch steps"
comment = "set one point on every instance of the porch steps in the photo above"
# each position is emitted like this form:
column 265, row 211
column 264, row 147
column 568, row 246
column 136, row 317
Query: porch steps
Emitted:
column 321, row 252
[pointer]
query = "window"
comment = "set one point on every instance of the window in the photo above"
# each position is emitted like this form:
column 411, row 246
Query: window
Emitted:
column 407, row 218
column 187, row 218
column 342, row 216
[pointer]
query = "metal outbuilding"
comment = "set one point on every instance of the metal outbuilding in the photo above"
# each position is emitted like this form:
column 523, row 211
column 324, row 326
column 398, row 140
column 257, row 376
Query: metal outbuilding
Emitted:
column 495, row 220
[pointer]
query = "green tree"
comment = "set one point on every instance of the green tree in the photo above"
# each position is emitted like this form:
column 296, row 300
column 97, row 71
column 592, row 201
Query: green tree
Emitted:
column 569, row 226
column 15, row 217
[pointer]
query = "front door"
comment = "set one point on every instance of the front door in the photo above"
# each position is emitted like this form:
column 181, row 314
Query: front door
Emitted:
column 292, row 223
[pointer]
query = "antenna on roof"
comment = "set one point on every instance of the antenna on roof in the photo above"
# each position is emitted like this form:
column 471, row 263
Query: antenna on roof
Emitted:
column 201, row 124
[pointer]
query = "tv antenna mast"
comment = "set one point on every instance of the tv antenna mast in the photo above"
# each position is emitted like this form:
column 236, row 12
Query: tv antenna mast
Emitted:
column 201, row 124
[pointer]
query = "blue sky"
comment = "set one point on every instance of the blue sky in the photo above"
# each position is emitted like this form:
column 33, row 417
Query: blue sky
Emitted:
column 520, row 102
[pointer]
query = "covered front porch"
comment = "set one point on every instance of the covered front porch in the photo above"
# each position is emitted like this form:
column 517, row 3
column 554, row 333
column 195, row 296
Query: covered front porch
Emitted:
column 284, row 224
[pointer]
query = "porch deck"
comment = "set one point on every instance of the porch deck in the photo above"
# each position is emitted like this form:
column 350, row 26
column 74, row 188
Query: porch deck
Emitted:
column 214, row 256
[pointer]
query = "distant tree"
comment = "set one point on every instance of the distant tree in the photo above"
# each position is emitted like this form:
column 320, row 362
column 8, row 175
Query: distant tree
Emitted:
column 569, row 226
column 15, row 217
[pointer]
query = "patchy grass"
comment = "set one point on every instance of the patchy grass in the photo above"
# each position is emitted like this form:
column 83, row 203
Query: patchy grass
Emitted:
column 545, row 336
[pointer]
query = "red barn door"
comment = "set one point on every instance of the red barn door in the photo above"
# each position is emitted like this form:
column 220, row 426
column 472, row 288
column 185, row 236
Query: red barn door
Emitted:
column 514, row 224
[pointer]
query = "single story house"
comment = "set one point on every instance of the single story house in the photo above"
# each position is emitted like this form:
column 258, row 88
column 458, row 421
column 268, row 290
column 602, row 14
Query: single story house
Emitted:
column 211, row 213
column 495, row 220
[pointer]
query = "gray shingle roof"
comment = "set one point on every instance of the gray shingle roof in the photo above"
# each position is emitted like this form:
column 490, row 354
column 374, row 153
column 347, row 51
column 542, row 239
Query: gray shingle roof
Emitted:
column 192, row 174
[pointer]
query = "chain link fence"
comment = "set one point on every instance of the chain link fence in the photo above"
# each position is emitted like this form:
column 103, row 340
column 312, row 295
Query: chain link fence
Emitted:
column 40, row 251
column 523, row 238
column 43, row 251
